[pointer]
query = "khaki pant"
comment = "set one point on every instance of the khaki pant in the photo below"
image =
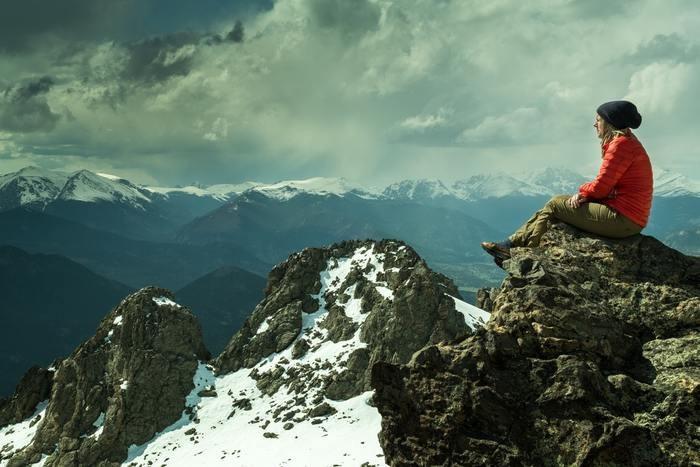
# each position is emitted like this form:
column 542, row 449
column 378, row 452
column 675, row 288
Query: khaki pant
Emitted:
column 591, row 217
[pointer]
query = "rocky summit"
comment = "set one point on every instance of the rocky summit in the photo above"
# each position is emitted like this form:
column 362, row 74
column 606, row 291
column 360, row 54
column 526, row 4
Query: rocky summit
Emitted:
column 591, row 357
column 119, row 388
column 292, row 386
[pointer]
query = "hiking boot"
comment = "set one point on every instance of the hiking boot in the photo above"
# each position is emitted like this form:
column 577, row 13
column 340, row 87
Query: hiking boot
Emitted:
column 499, row 250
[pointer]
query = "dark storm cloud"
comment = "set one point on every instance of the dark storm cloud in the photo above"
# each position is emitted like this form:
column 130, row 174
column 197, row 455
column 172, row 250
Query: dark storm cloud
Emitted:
column 24, row 109
column 349, row 17
column 600, row 8
column 236, row 34
column 156, row 59
column 662, row 47
column 27, row 24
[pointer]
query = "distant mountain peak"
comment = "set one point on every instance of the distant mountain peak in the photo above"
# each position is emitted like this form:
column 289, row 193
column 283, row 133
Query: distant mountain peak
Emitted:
column 672, row 184
column 109, row 176
column 323, row 186
column 421, row 188
column 86, row 186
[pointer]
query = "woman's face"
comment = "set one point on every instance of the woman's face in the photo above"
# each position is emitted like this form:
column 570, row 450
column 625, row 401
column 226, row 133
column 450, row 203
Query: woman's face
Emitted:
column 598, row 125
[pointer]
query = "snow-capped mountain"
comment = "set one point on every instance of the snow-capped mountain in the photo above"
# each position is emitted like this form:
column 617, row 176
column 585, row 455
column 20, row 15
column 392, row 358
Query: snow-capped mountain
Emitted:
column 293, row 386
column 88, row 187
column 556, row 181
column 322, row 186
column 545, row 182
column 30, row 186
column 282, row 190
column 670, row 184
column 495, row 186
column 221, row 192
column 420, row 189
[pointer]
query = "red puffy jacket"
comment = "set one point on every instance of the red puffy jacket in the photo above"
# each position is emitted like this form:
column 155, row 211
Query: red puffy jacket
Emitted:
column 625, row 180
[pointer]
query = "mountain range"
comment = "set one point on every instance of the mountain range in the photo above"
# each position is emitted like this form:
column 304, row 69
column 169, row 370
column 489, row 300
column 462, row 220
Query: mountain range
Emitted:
column 323, row 210
column 198, row 240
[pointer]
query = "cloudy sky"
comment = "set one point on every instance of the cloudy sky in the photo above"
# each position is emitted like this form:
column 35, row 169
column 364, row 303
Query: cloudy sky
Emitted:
column 214, row 91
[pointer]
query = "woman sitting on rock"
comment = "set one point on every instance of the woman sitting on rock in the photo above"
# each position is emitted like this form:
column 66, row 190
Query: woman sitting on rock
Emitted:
column 616, row 204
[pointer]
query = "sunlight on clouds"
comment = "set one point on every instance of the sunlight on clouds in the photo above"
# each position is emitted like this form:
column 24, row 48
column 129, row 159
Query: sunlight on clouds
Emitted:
column 423, row 122
column 657, row 87
column 520, row 125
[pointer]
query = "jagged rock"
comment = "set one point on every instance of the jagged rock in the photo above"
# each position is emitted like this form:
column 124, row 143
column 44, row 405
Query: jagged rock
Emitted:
column 322, row 410
column 131, row 378
column 208, row 392
column 34, row 387
column 379, row 296
column 340, row 326
column 591, row 357
column 352, row 380
column 301, row 346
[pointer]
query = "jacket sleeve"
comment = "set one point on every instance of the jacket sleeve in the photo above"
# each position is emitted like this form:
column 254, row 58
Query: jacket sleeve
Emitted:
column 617, row 159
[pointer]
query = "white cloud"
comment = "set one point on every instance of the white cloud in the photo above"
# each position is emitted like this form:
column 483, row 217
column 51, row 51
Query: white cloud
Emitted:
column 658, row 87
column 424, row 122
column 522, row 125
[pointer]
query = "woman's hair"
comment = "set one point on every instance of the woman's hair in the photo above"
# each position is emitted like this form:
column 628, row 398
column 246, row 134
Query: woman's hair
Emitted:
column 610, row 132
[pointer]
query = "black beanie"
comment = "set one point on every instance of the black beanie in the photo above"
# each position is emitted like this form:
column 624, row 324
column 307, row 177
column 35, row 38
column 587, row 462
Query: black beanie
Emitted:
column 620, row 114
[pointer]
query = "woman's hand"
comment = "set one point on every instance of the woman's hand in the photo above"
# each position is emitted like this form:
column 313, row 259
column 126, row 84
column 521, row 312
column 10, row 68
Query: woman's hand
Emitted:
column 576, row 201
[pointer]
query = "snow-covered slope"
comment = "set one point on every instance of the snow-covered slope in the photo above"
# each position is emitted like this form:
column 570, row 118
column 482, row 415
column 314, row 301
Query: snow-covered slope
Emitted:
column 87, row 186
column 283, row 190
column 494, row 186
column 670, row 184
column 420, row 189
column 14, row 438
column 556, row 181
column 323, row 186
column 30, row 185
column 544, row 182
column 222, row 192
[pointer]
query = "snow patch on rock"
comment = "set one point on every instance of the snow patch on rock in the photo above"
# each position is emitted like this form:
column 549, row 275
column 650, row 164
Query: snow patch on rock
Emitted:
column 14, row 438
column 161, row 301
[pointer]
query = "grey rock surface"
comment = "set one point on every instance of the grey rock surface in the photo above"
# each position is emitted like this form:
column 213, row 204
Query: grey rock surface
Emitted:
column 34, row 387
column 121, row 386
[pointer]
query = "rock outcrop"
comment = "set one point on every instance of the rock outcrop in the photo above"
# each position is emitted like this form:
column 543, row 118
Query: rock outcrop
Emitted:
column 378, row 299
column 33, row 388
column 120, row 387
column 591, row 357
column 292, row 386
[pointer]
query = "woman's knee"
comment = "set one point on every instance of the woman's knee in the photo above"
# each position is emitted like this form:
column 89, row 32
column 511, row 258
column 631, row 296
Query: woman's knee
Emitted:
column 557, row 201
